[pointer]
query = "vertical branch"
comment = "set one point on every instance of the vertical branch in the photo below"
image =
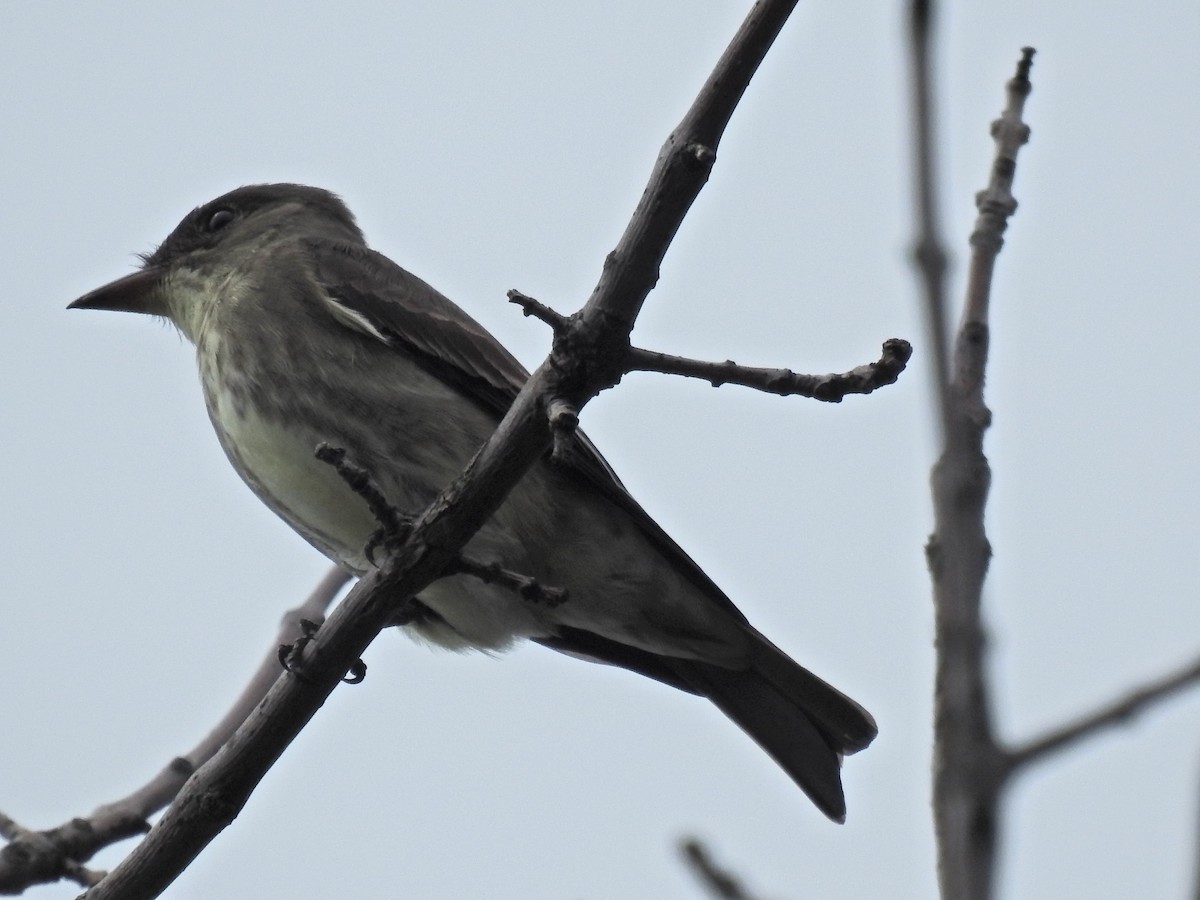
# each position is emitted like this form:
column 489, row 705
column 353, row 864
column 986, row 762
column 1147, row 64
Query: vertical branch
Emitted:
column 929, row 250
column 970, row 766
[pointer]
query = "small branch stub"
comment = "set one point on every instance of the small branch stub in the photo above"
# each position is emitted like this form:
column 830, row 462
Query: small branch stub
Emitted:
column 563, row 416
column 532, row 307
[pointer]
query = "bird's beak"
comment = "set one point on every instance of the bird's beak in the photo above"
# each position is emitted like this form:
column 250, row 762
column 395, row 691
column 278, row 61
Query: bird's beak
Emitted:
column 140, row 292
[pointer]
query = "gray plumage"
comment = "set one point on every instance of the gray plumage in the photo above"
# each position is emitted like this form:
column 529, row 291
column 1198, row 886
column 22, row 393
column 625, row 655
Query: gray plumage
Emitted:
column 305, row 335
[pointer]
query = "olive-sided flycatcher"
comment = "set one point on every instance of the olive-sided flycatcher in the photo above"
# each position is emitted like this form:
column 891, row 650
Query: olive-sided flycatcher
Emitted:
column 305, row 335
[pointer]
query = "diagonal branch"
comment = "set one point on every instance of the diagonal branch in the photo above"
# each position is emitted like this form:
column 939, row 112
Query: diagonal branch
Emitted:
column 1116, row 712
column 580, row 365
column 718, row 882
column 37, row 857
column 42, row 857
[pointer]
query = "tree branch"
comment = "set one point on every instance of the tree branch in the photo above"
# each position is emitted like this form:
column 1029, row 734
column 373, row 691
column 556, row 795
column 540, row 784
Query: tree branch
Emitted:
column 718, row 882
column 929, row 249
column 969, row 765
column 528, row 588
column 1116, row 712
column 41, row 857
column 38, row 857
column 784, row 382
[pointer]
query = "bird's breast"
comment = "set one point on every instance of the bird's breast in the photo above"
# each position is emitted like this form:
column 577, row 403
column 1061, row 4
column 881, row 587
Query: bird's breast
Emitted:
column 272, row 403
column 277, row 459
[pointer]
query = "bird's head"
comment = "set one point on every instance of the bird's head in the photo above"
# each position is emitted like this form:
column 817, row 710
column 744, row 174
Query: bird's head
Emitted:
column 215, row 239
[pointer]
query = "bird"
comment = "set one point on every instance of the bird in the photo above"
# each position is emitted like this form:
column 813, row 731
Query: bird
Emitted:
column 304, row 336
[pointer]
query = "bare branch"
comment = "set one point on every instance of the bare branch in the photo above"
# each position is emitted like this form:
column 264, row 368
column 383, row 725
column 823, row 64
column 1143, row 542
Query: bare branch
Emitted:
column 1116, row 712
column 290, row 628
column 539, row 310
column 529, row 588
column 719, row 883
column 995, row 204
column 581, row 364
column 929, row 250
column 784, row 382
column 45, row 856
column 41, row 857
column 969, row 765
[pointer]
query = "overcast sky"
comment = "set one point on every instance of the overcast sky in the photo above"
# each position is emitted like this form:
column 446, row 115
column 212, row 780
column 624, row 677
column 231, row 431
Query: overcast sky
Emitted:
column 491, row 146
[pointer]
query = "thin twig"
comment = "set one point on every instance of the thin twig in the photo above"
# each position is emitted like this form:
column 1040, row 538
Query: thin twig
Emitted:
column 528, row 588
column 45, row 856
column 1116, row 712
column 970, row 767
column 784, row 382
column 392, row 524
column 539, row 310
column 929, row 249
column 564, row 417
column 716, row 880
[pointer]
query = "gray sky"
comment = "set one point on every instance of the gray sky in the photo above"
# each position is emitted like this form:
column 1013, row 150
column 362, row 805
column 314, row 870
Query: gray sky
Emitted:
column 491, row 146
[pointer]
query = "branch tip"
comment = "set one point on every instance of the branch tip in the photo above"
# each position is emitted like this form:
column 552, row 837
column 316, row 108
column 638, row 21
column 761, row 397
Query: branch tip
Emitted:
column 719, row 882
column 784, row 382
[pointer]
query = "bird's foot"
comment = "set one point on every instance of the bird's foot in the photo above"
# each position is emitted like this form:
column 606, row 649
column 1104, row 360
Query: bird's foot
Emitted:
column 291, row 656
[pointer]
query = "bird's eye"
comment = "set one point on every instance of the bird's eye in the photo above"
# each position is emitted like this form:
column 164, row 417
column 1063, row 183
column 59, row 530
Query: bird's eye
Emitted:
column 220, row 219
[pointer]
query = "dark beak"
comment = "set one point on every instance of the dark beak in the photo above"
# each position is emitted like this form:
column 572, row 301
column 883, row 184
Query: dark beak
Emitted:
column 140, row 292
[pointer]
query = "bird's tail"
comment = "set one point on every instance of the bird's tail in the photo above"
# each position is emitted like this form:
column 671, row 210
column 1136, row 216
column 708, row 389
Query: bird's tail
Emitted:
column 805, row 724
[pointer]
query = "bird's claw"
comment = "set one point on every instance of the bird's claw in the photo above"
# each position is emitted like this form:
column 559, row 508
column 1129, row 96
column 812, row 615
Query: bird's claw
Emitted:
column 291, row 656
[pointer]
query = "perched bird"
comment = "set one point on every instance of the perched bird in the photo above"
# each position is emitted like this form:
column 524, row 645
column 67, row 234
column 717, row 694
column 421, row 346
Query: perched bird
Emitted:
column 305, row 335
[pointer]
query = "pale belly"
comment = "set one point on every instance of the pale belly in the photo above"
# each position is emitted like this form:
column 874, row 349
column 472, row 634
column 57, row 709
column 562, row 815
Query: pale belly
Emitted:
column 565, row 536
column 277, row 460
column 279, row 463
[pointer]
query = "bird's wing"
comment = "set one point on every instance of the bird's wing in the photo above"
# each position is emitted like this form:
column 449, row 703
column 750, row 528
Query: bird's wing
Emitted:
column 367, row 291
